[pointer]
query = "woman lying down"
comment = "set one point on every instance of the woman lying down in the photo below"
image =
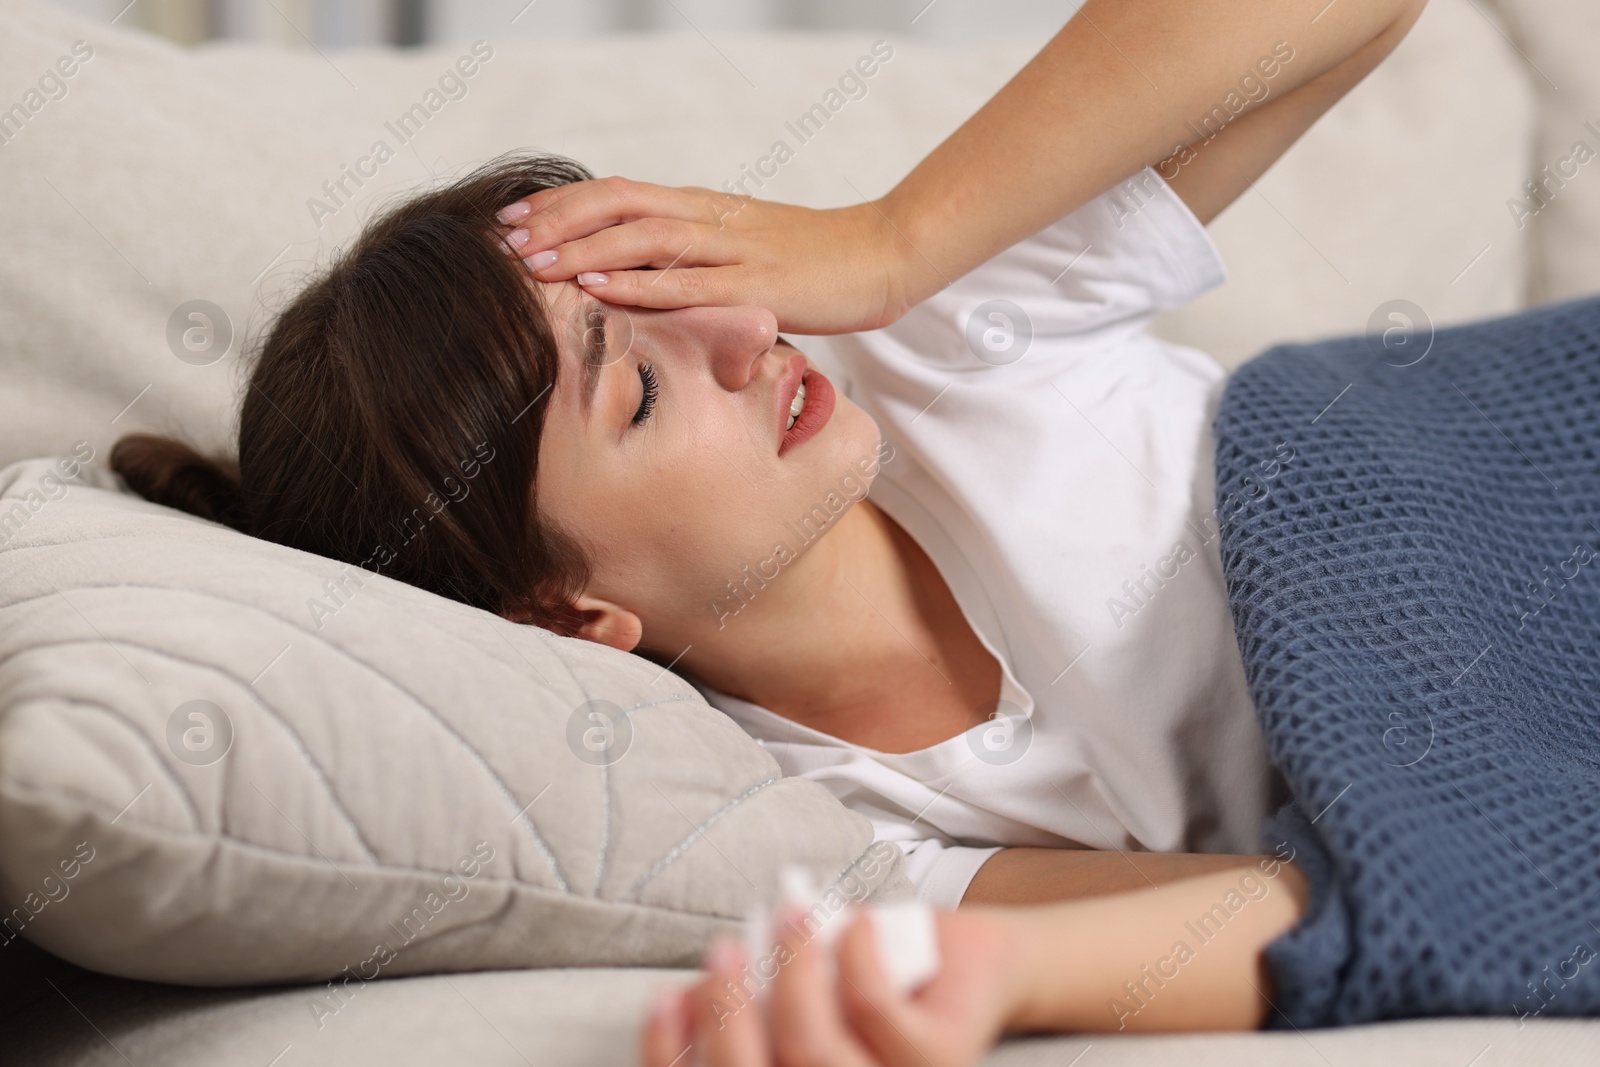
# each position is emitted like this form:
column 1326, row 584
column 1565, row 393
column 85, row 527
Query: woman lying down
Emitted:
column 1020, row 640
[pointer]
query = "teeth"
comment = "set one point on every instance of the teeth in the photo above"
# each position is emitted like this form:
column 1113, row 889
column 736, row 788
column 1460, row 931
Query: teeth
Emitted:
column 796, row 407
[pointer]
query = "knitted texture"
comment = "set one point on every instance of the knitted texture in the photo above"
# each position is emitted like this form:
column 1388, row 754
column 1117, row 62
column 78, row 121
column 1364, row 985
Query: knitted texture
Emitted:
column 1411, row 542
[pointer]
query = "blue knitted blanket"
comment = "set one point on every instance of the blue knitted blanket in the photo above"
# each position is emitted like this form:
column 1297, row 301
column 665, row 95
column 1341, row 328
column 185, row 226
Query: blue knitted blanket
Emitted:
column 1411, row 541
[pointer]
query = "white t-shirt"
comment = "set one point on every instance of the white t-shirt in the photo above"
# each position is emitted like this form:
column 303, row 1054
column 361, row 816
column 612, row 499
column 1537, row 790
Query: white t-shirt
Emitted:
column 1067, row 499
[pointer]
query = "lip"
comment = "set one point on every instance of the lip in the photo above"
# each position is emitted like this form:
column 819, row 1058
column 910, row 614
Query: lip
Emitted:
column 819, row 403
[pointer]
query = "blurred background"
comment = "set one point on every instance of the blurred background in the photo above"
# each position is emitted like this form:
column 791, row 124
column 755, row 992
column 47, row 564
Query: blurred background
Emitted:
column 343, row 23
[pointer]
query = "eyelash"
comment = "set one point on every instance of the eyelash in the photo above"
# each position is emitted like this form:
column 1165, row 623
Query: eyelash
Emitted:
column 647, row 403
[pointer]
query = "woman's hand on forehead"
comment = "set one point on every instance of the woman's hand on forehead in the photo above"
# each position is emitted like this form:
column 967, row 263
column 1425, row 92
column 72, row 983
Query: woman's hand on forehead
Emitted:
column 634, row 243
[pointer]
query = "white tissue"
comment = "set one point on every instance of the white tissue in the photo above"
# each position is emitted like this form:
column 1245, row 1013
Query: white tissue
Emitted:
column 908, row 943
column 904, row 934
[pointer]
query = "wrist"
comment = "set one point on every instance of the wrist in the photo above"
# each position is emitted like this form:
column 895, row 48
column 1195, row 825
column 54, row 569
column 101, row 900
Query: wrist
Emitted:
column 903, row 252
column 1023, row 985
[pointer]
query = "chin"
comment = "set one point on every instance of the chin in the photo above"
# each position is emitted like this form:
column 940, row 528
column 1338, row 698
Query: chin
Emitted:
column 855, row 448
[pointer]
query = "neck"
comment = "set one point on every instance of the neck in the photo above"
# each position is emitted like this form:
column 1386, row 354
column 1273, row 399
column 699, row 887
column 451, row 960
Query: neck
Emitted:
column 847, row 621
column 858, row 626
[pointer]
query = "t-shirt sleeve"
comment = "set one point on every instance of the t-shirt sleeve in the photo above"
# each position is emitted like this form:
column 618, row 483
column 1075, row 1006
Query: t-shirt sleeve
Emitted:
column 1094, row 275
column 942, row 872
column 940, row 868
column 937, row 865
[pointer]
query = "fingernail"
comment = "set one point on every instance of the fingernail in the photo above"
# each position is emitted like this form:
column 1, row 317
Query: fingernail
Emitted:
column 517, row 238
column 541, row 260
column 592, row 277
column 513, row 212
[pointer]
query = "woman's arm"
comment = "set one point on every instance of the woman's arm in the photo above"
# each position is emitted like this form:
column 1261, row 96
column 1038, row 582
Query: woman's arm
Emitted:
column 1208, row 175
column 1121, row 86
column 1183, row 956
column 1042, row 875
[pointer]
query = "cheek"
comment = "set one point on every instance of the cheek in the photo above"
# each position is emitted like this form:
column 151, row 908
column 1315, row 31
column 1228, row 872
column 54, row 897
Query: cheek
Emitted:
column 660, row 512
column 577, row 493
column 697, row 518
column 696, row 505
column 856, row 452
column 838, row 473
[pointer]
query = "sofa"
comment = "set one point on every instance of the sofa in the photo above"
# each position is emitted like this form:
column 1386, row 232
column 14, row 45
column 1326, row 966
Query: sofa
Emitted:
column 153, row 183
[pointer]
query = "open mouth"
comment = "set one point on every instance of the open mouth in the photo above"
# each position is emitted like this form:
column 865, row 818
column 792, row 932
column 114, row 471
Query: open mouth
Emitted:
column 797, row 406
column 810, row 404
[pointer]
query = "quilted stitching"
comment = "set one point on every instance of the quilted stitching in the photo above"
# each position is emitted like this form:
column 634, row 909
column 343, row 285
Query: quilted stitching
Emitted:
column 429, row 675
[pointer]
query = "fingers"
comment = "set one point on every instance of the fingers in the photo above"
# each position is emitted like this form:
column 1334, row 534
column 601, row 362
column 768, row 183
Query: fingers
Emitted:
column 802, row 1024
column 570, row 212
column 808, row 1029
column 651, row 242
column 518, row 210
column 521, row 209
column 666, row 1030
column 728, row 1028
column 871, row 1005
column 675, row 288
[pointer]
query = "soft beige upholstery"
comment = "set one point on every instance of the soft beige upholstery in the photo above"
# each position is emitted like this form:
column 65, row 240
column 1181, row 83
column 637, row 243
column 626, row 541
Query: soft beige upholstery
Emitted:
column 1560, row 216
column 164, row 176
column 588, row 1016
column 1398, row 193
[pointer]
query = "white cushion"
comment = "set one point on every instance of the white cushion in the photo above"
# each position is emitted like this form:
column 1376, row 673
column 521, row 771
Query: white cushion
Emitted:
column 408, row 772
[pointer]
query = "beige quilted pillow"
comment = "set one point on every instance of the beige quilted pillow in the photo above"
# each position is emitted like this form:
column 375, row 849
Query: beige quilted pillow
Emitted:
column 208, row 776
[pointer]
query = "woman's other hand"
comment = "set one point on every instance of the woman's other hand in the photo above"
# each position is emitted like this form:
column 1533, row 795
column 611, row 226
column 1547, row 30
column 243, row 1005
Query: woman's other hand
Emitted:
column 857, row 1020
column 832, row 271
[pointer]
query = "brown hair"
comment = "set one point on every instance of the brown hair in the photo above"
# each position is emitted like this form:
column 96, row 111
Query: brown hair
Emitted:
column 393, row 413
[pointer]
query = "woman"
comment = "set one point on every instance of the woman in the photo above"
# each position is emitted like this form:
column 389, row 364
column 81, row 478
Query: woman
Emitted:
column 610, row 468
column 1133, row 93
column 1163, row 99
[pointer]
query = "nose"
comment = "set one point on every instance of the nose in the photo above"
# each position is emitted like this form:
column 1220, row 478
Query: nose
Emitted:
column 731, row 339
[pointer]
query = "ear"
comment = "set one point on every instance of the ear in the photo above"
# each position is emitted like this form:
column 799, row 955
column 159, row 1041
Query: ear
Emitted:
column 604, row 623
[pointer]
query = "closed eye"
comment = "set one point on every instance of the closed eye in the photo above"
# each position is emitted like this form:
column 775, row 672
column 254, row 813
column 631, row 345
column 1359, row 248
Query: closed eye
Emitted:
column 647, row 402
column 597, row 344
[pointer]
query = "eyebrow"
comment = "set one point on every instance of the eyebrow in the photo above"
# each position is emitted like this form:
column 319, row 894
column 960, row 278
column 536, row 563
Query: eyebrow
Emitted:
column 593, row 355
